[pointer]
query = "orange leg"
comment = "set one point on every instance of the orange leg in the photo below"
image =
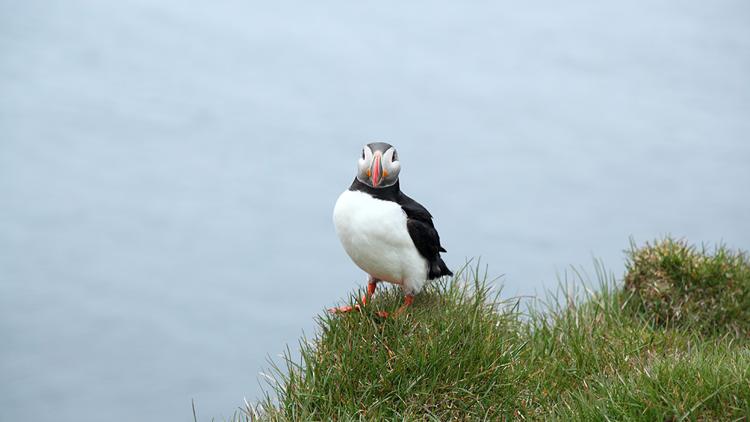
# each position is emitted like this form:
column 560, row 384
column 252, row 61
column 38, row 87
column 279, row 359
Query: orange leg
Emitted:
column 371, row 286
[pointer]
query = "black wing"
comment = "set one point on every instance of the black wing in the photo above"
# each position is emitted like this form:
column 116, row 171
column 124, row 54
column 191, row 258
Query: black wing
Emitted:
column 424, row 235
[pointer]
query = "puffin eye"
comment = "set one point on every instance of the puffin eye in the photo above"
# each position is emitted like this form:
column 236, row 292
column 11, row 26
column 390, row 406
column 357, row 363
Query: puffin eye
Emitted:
column 363, row 153
column 395, row 156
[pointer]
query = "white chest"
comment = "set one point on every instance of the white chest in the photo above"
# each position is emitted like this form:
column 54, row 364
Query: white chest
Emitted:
column 374, row 234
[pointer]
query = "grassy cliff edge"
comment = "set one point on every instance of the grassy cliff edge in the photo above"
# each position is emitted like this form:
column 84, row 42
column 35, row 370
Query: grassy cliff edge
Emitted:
column 671, row 344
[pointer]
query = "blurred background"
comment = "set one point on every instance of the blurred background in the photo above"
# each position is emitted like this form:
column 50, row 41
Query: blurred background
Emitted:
column 168, row 169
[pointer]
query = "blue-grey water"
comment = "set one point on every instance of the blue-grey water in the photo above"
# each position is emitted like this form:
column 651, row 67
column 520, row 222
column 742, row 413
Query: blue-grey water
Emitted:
column 168, row 169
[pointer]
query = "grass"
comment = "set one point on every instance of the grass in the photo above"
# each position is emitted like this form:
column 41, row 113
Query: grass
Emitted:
column 678, row 284
column 678, row 351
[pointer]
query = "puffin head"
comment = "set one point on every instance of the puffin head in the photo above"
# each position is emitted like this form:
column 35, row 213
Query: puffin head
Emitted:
column 378, row 166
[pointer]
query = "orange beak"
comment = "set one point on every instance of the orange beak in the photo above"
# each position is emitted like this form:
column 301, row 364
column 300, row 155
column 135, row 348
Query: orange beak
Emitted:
column 376, row 170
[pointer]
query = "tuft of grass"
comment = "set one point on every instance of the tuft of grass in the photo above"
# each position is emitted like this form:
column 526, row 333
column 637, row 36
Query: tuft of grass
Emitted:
column 450, row 356
column 675, row 283
column 462, row 353
column 593, row 360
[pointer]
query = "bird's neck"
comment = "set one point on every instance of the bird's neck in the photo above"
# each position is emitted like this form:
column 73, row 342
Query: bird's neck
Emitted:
column 387, row 193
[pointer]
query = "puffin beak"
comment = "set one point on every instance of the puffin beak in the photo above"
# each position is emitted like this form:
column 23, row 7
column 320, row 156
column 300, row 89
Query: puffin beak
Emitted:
column 376, row 170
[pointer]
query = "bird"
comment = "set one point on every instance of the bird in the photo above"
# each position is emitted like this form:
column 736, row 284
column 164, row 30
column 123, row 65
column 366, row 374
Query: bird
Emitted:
column 390, row 236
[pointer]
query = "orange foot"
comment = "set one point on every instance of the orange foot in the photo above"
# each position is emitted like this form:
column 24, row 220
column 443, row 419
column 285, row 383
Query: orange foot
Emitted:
column 346, row 309
column 408, row 299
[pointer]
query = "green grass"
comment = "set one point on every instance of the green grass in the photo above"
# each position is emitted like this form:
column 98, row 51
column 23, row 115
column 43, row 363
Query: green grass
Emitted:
column 677, row 284
column 586, row 353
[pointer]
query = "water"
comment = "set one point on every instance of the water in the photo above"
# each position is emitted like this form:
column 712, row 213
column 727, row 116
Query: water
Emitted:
column 168, row 169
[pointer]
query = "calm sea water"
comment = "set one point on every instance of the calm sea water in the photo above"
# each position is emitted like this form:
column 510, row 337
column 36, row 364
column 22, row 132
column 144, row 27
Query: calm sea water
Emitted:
column 168, row 169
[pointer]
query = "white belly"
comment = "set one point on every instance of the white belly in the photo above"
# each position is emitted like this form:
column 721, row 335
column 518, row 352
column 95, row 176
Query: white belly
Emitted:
column 374, row 234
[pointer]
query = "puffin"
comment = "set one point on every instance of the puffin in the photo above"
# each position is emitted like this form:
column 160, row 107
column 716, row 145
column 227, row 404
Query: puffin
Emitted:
column 390, row 236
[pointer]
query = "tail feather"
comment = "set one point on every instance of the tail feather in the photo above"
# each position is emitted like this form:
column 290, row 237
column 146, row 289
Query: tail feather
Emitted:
column 438, row 268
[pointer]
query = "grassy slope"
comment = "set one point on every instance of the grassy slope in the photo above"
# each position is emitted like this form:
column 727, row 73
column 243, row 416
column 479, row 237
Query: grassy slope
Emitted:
column 461, row 354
